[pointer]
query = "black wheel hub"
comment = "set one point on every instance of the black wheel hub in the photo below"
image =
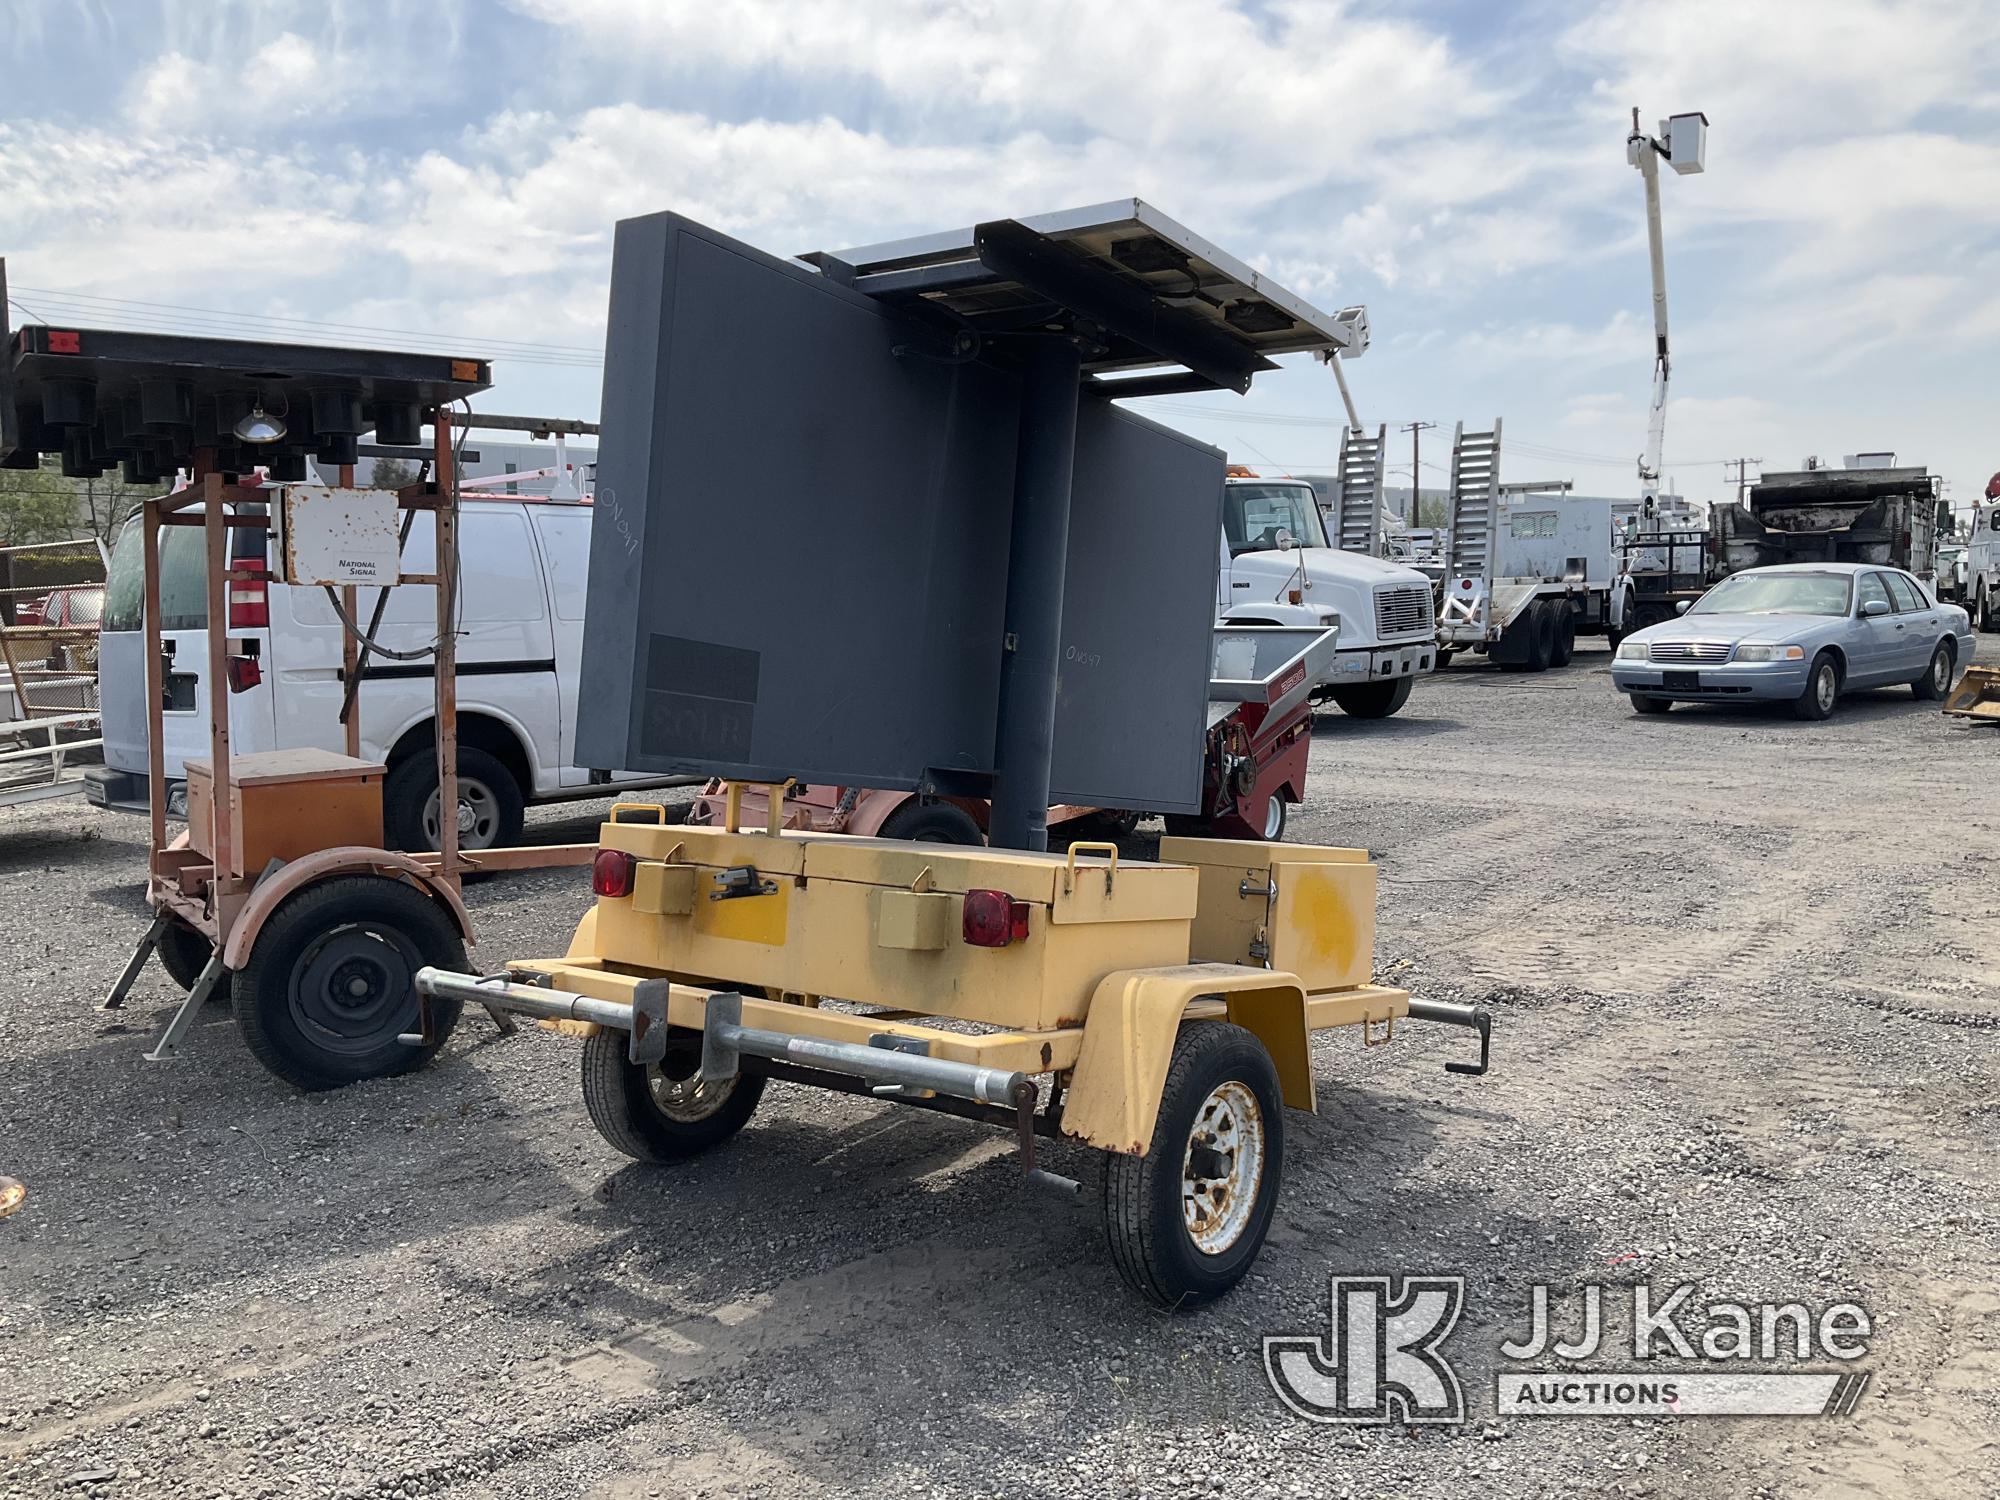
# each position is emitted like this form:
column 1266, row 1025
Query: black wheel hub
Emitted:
column 352, row 988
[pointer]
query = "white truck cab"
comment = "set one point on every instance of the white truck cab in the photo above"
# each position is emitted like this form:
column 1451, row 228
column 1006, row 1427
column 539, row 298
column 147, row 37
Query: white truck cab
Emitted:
column 1277, row 569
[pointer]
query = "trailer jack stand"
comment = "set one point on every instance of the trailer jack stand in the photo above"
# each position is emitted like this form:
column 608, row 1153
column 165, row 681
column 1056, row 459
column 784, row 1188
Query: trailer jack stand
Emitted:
column 1477, row 1018
column 1024, row 1128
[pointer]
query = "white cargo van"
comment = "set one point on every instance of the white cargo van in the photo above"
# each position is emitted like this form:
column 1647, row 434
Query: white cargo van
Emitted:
column 524, row 567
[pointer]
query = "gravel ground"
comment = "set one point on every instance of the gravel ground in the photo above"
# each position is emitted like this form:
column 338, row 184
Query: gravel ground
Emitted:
column 1746, row 1039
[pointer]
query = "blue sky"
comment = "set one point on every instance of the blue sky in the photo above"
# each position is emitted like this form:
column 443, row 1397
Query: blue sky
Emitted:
column 456, row 168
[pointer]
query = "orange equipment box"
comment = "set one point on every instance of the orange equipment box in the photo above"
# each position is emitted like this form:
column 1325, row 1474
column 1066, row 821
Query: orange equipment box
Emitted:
column 284, row 804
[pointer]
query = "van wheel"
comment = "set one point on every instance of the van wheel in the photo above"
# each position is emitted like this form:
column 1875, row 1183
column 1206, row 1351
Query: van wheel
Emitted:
column 489, row 802
column 1377, row 700
column 330, row 982
column 932, row 823
column 1186, row 1220
column 664, row 1111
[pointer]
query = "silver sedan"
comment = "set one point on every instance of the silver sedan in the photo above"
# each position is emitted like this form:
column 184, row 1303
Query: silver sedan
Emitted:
column 1803, row 633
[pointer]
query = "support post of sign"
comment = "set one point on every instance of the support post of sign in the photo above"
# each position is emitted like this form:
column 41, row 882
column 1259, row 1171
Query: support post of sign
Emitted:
column 1037, row 554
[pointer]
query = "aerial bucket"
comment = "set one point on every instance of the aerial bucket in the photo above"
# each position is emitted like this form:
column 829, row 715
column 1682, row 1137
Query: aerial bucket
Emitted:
column 1977, row 695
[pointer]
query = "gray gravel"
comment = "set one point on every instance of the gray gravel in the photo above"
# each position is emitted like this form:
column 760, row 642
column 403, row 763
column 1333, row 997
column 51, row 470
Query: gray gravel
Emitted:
column 1746, row 1039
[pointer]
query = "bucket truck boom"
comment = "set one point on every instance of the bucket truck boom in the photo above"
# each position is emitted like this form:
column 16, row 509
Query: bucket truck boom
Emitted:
column 1683, row 143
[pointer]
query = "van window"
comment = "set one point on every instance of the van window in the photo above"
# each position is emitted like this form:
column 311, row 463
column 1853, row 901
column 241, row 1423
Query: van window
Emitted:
column 566, row 552
column 183, row 580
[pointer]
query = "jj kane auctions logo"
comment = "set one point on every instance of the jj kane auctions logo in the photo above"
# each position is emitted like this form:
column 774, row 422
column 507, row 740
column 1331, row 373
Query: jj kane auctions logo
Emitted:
column 1382, row 1358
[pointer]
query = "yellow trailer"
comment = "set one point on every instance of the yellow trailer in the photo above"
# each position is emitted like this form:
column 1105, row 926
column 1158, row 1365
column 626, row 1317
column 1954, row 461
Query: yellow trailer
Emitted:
column 1165, row 1006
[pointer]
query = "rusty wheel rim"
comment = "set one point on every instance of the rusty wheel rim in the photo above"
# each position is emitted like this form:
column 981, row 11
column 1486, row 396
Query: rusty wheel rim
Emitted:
column 1222, row 1168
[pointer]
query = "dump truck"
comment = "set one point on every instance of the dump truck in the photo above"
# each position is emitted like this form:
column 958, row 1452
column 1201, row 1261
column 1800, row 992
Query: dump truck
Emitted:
column 1869, row 511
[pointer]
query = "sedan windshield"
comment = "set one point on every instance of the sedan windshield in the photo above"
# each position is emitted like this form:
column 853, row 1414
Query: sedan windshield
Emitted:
column 1776, row 594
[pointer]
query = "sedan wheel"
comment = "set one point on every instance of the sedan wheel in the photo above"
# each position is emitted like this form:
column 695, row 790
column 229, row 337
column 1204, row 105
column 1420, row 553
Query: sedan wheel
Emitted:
column 1822, row 689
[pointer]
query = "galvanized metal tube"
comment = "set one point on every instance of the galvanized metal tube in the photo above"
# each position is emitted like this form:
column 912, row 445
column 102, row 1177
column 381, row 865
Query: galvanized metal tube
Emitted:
column 527, row 999
column 1445, row 1012
column 913, row 1070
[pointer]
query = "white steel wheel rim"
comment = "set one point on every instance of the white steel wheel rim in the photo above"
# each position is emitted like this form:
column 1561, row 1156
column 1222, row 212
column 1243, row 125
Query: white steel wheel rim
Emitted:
column 689, row 1100
column 478, row 815
column 1823, row 686
column 1216, row 1210
column 1274, row 816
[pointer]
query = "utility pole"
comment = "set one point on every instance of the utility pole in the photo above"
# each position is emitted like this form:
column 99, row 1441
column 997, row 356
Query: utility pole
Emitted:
column 1416, row 431
column 1740, row 480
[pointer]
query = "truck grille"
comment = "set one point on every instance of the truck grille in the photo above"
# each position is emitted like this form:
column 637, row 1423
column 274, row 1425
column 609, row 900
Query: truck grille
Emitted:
column 1403, row 610
column 1688, row 651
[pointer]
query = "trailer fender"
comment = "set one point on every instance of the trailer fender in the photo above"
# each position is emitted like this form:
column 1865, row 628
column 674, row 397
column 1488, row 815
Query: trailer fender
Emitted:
column 323, row 864
column 1128, row 1041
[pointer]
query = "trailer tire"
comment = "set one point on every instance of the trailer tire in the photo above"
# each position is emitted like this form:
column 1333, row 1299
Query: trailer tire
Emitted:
column 1936, row 680
column 1565, row 646
column 659, row 1112
column 1179, row 1236
column 932, row 823
column 1376, row 700
column 184, row 953
column 1543, row 629
column 1642, row 704
column 296, row 1004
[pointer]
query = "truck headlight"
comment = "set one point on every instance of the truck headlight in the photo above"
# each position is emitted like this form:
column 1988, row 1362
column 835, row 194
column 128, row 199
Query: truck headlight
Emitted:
column 1770, row 653
column 1631, row 650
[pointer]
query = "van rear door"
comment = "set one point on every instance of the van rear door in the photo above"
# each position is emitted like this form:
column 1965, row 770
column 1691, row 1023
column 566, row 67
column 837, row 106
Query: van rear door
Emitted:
column 506, row 655
column 183, row 629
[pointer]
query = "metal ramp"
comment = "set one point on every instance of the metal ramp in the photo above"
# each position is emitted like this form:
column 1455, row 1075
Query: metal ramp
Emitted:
column 1475, row 499
column 1357, row 513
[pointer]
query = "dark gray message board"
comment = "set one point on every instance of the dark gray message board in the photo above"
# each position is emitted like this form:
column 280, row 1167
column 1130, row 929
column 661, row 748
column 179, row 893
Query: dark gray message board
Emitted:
column 798, row 563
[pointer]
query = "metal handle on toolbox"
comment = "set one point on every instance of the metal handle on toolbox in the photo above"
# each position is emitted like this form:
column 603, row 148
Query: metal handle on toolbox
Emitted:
column 658, row 810
column 1069, row 868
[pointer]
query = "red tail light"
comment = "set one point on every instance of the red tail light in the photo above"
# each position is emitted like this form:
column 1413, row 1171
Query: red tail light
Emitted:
column 249, row 598
column 245, row 672
column 65, row 341
column 993, row 919
column 611, row 872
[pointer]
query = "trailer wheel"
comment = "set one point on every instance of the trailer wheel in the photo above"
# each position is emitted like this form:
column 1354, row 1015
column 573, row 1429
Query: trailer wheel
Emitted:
column 1376, row 700
column 1565, row 646
column 1275, row 813
column 1185, row 1221
column 932, row 823
column 662, row 1111
column 329, row 985
column 184, row 953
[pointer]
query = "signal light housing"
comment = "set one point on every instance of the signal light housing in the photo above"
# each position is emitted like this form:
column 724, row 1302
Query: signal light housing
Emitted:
column 611, row 873
column 249, row 598
column 993, row 919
